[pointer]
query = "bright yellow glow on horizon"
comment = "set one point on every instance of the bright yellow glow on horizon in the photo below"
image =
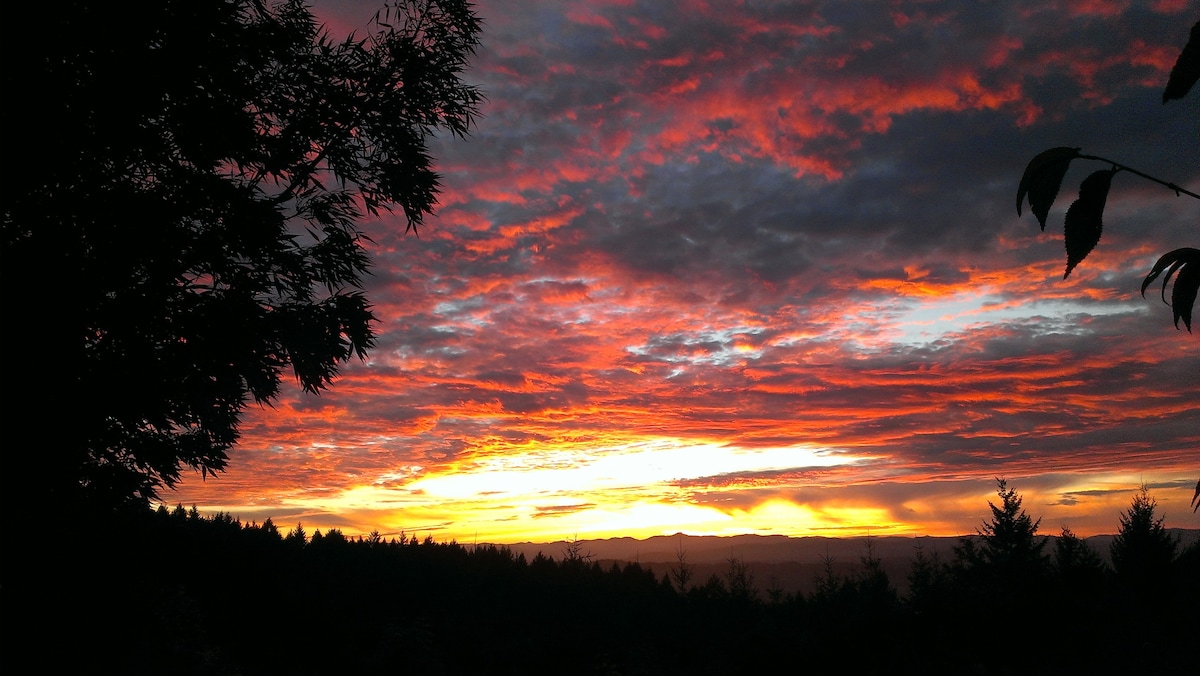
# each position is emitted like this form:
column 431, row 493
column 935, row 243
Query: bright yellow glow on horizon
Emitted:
column 648, row 489
column 788, row 518
column 631, row 466
column 637, row 490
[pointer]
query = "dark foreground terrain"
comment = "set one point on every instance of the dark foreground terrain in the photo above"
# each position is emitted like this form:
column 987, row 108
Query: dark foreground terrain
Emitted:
column 173, row 592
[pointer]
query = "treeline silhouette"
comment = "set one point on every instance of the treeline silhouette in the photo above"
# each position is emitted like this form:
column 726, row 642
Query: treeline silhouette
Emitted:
column 172, row 591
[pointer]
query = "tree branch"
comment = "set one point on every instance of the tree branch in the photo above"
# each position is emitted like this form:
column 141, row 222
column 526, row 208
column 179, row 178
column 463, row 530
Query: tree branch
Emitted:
column 1116, row 165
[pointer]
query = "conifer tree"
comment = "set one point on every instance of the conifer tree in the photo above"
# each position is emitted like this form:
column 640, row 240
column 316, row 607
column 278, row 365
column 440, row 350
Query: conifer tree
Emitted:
column 681, row 573
column 1143, row 550
column 928, row 582
column 1074, row 559
column 1009, row 539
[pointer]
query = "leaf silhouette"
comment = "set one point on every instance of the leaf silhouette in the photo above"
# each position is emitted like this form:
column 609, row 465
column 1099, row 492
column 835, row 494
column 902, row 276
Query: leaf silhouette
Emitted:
column 1186, row 70
column 1042, row 178
column 1083, row 221
column 1183, row 295
column 1186, row 262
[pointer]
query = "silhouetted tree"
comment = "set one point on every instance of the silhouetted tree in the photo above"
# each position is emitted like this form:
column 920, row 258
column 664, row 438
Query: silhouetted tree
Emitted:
column 1010, row 545
column 297, row 537
column 1143, row 550
column 374, row 538
column 1077, row 564
column 184, row 225
column 739, row 580
column 682, row 572
column 1003, row 563
column 1082, row 585
column 874, row 588
column 574, row 557
column 847, row 611
column 928, row 583
column 828, row 583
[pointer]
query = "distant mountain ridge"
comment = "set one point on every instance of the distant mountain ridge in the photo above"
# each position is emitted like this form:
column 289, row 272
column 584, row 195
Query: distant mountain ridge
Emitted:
column 750, row 548
column 777, row 548
column 780, row 561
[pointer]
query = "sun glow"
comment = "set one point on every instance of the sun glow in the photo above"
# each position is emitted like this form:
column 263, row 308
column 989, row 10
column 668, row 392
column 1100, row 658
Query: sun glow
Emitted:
column 629, row 467
column 518, row 499
column 638, row 489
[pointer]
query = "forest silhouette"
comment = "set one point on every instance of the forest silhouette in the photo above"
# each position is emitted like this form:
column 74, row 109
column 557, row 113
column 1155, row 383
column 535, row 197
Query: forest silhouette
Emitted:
column 171, row 591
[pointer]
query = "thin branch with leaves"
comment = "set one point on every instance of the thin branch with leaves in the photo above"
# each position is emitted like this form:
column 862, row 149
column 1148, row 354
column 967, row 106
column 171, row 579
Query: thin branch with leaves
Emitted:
column 1083, row 223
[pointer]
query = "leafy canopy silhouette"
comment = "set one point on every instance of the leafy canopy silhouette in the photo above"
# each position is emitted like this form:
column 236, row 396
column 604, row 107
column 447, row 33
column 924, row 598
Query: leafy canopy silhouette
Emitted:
column 1084, row 218
column 183, row 223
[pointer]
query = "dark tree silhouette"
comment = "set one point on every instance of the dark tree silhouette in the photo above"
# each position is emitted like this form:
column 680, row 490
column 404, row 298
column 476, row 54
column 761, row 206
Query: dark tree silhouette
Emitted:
column 682, row 572
column 1083, row 223
column 172, row 591
column 1079, row 571
column 574, row 556
column 181, row 225
column 739, row 580
column 1074, row 559
column 928, row 582
column 1143, row 550
column 1007, row 560
column 1009, row 539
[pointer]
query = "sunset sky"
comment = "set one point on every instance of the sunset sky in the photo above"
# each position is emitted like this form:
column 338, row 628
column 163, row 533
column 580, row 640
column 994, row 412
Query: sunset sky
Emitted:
column 755, row 267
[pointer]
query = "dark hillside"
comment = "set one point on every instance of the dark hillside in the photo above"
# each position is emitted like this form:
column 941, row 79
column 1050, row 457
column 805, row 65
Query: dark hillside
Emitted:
column 172, row 592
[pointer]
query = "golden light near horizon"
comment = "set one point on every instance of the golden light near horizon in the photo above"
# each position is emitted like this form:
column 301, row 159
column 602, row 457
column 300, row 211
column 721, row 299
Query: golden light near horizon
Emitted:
column 631, row 490
column 784, row 517
column 953, row 506
column 653, row 463
column 637, row 489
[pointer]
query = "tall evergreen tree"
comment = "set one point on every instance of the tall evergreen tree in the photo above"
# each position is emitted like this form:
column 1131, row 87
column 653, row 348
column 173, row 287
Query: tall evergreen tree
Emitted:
column 1010, row 543
column 1143, row 550
column 1003, row 564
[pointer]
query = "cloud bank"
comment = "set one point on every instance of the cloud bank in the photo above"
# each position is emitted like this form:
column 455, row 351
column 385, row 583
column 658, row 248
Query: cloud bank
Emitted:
column 755, row 267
